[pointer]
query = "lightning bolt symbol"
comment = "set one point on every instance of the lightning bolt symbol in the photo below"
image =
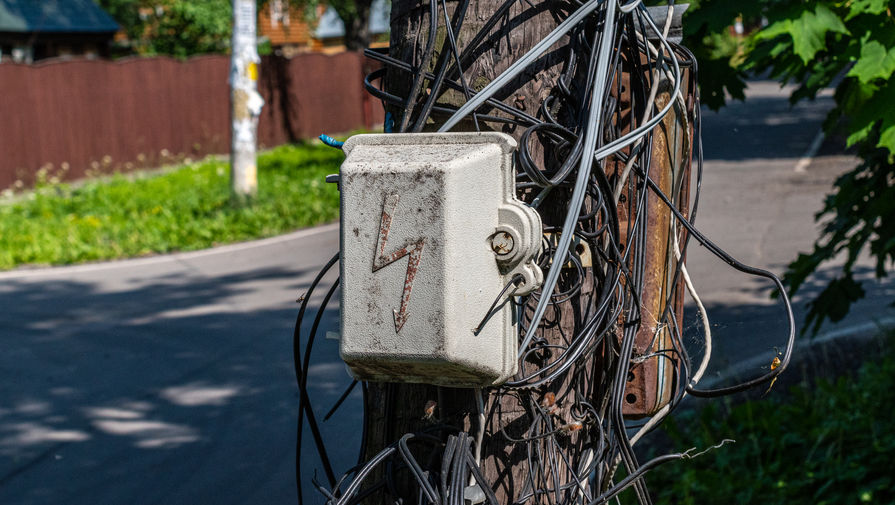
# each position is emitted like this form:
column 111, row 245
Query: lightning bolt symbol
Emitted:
column 381, row 259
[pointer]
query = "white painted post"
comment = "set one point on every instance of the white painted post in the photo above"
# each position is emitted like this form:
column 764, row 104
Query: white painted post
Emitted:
column 245, row 102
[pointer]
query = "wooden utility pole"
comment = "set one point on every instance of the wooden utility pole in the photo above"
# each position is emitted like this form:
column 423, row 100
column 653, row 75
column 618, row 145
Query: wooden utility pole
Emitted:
column 245, row 102
column 396, row 409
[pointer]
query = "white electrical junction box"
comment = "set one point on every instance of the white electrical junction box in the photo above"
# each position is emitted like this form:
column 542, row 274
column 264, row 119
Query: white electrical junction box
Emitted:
column 431, row 233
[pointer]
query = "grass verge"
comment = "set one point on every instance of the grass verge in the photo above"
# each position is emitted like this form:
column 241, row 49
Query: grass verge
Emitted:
column 183, row 209
column 826, row 442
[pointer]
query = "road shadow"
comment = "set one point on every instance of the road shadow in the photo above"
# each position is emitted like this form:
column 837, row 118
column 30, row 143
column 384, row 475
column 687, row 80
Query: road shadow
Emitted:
column 743, row 330
column 103, row 385
column 742, row 129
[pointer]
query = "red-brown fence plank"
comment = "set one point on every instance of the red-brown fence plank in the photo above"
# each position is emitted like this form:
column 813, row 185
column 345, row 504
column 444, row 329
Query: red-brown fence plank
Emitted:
column 118, row 115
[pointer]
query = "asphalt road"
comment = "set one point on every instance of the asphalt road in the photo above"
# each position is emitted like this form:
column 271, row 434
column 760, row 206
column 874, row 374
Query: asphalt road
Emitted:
column 760, row 196
column 169, row 380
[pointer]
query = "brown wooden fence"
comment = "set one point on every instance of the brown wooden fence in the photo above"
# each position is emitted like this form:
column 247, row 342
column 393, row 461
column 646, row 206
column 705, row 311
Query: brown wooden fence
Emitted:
column 104, row 116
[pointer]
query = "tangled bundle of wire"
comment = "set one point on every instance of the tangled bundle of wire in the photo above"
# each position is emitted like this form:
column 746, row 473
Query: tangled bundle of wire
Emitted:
column 585, row 161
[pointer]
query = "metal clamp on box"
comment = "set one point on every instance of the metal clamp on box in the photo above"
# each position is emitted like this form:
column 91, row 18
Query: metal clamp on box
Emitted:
column 431, row 234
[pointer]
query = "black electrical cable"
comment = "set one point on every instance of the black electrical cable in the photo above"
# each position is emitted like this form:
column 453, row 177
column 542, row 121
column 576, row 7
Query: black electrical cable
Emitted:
column 442, row 64
column 419, row 74
column 296, row 361
column 586, row 342
column 304, row 401
column 341, row 400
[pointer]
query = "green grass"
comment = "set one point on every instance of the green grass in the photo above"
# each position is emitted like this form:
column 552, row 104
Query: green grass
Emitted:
column 830, row 443
column 183, row 209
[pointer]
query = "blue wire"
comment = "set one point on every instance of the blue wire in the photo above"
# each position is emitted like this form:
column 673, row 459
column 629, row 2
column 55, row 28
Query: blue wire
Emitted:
column 331, row 142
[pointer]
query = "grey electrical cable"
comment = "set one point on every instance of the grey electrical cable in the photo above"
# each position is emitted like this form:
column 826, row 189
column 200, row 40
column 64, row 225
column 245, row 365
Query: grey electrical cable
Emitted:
column 578, row 332
column 520, row 64
column 628, row 139
column 646, row 111
column 590, row 144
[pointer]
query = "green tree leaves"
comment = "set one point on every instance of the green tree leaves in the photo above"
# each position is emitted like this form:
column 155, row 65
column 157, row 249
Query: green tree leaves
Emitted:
column 849, row 44
column 187, row 27
column 875, row 63
column 869, row 106
column 179, row 28
column 809, row 31
column 858, row 7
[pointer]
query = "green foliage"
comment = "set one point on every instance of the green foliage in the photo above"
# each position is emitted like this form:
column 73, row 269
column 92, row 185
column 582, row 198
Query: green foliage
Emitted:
column 187, row 27
column 353, row 13
column 179, row 28
column 718, row 52
column 127, row 14
column 188, row 208
column 808, row 31
column 827, row 444
column 874, row 63
column 183, row 28
column 861, row 217
column 849, row 44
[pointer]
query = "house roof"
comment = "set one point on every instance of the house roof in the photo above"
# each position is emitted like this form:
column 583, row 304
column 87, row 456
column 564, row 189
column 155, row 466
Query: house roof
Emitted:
column 44, row 16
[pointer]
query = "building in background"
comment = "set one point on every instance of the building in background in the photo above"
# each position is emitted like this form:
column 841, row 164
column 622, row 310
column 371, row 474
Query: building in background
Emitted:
column 35, row 30
column 285, row 27
column 289, row 30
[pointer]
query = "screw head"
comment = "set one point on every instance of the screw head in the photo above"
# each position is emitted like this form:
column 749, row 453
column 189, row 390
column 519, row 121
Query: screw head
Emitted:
column 502, row 243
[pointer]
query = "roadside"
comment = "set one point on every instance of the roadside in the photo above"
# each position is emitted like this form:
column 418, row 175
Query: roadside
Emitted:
column 178, row 209
column 823, row 438
column 813, row 437
column 184, row 362
column 181, row 362
column 765, row 179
